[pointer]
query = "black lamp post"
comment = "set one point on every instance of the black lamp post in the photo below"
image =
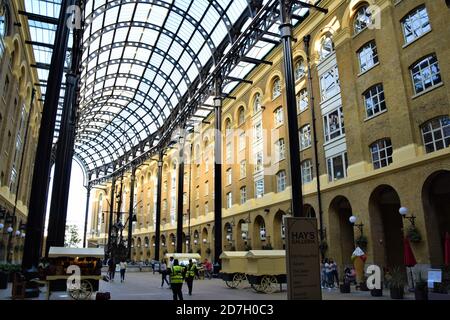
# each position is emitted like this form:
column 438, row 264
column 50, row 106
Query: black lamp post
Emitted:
column 360, row 226
column 403, row 212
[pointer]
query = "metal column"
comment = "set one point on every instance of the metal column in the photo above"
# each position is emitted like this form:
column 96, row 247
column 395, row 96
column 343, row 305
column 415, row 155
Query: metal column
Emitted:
column 111, row 214
column 294, row 145
column 41, row 172
column 86, row 214
column 180, row 200
column 217, row 174
column 131, row 211
column 158, row 206
column 306, row 41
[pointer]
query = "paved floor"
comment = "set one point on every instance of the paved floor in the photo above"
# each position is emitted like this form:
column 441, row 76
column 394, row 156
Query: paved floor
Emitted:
column 146, row 286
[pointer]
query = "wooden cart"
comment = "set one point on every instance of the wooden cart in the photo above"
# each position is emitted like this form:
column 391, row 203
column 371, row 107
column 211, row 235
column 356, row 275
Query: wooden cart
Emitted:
column 266, row 270
column 234, row 266
column 89, row 262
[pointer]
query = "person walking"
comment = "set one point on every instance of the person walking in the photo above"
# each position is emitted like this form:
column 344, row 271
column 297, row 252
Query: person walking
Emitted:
column 123, row 268
column 176, row 280
column 329, row 274
column 111, row 269
column 163, row 271
column 191, row 272
column 334, row 272
column 208, row 269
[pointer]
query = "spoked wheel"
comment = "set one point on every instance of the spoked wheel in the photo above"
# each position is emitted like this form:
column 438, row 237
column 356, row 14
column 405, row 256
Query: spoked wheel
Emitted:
column 257, row 287
column 239, row 278
column 269, row 283
column 84, row 292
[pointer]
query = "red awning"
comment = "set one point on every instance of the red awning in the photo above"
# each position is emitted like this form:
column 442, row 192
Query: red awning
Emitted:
column 409, row 259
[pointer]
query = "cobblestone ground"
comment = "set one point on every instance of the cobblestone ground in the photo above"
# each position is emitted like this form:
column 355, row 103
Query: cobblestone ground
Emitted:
column 146, row 286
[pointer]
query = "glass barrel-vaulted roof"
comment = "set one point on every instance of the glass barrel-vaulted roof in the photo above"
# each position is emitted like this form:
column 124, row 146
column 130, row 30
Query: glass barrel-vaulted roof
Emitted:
column 139, row 59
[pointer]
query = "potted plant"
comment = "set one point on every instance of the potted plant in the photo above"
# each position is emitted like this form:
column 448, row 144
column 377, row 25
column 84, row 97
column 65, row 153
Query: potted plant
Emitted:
column 421, row 288
column 397, row 283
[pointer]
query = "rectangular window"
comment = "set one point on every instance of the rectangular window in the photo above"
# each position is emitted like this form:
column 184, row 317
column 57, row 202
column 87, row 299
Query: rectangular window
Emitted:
column 259, row 188
column 229, row 177
column 229, row 200
column 243, row 195
column 206, row 188
column 242, row 141
column 281, row 181
column 258, row 133
column 436, row 134
column 280, row 150
column 228, row 152
column 305, row 137
column 307, row 171
column 243, row 169
column 259, row 161
column 302, row 100
column 329, row 84
column 278, row 115
column 337, row 167
column 334, row 124
column 374, row 100
column 206, row 208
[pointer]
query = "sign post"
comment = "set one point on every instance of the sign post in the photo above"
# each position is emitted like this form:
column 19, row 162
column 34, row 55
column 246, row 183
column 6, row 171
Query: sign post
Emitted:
column 302, row 259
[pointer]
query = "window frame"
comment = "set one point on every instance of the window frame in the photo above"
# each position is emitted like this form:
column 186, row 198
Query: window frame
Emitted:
column 429, row 66
column 373, row 55
column 332, row 175
column 327, row 125
column 310, row 170
column 413, row 32
column 433, row 130
column 381, row 105
column 281, row 180
column 387, row 149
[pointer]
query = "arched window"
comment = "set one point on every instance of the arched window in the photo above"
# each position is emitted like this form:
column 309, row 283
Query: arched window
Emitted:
column 374, row 100
column 228, row 125
column 276, row 88
column 436, row 134
column 4, row 22
column 241, row 115
column 326, row 46
column 426, row 73
column 257, row 103
column 363, row 19
column 300, row 68
column 415, row 24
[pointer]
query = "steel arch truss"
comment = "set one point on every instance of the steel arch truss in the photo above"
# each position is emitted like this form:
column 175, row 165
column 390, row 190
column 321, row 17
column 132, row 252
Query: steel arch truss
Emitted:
column 141, row 61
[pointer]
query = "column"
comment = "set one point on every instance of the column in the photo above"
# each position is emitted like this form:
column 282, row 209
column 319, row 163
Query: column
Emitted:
column 131, row 211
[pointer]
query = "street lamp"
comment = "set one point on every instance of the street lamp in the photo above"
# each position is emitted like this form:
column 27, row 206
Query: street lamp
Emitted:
column 352, row 220
column 204, row 240
column 403, row 212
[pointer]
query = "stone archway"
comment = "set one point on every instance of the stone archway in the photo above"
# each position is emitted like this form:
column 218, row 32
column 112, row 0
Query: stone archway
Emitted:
column 341, row 232
column 278, row 230
column 435, row 199
column 227, row 238
column 308, row 211
column 184, row 246
column 139, row 249
column 205, row 245
column 241, row 243
column 163, row 246
column 386, row 226
column 258, row 240
column 172, row 243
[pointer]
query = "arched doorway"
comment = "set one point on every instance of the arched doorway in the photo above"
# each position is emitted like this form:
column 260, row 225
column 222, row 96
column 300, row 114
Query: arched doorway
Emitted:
column 308, row 211
column 133, row 251
column 205, row 246
column 163, row 246
column 152, row 242
column 197, row 244
column 386, row 226
column 172, row 243
column 227, row 237
column 278, row 230
column 435, row 198
column 241, row 236
column 147, row 248
column 341, row 232
column 139, row 249
column 259, row 236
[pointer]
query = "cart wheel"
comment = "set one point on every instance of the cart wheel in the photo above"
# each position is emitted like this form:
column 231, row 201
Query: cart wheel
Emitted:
column 269, row 283
column 84, row 292
column 257, row 287
column 238, row 278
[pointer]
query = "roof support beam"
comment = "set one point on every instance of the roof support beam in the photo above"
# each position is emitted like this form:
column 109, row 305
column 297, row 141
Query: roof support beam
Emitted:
column 239, row 80
column 255, row 61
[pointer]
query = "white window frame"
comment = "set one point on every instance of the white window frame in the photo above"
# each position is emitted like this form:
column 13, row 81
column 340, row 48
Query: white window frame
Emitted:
column 259, row 190
column 229, row 176
column 376, row 96
column 280, row 150
column 259, row 163
column 417, row 16
column 363, row 19
column 330, row 128
column 305, row 137
column 368, row 56
column 330, row 166
column 307, row 170
column 281, row 181
column 243, row 169
column 242, row 141
column 276, row 88
column 229, row 199
column 300, row 68
column 278, row 116
column 424, row 68
column 439, row 134
column 257, row 103
column 381, row 151
column 329, row 84
column 243, row 194
column 302, row 100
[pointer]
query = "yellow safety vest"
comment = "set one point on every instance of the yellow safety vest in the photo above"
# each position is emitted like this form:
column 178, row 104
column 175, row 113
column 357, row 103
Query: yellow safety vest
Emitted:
column 176, row 275
column 191, row 271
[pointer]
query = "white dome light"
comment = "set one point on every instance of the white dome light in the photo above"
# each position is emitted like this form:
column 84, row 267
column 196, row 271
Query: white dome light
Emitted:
column 352, row 219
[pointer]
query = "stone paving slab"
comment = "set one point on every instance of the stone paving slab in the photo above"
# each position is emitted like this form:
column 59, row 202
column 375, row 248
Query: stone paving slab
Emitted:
column 146, row 286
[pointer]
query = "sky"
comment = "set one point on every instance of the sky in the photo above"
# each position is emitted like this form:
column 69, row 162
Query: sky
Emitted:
column 77, row 200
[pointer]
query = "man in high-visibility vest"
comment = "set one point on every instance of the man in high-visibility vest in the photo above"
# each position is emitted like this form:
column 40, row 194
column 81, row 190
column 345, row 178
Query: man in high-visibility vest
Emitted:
column 176, row 280
column 191, row 272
